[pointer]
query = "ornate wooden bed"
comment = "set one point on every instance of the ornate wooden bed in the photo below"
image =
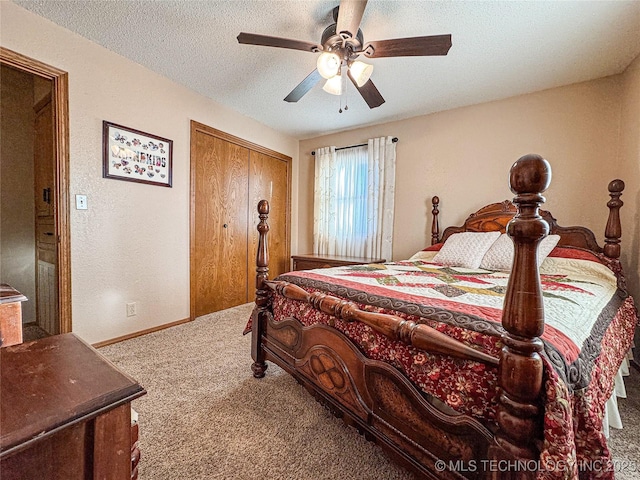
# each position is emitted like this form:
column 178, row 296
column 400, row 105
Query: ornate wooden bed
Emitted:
column 379, row 400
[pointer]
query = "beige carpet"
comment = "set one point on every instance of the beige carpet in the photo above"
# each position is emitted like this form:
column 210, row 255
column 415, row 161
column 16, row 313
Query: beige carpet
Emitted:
column 206, row 417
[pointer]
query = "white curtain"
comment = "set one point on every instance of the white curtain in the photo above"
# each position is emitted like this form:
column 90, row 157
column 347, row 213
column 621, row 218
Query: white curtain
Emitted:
column 381, row 196
column 354, row 199
column 324, row 209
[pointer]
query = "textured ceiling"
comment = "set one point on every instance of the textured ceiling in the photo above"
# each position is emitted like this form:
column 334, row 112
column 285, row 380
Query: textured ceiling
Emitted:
column 500, row 49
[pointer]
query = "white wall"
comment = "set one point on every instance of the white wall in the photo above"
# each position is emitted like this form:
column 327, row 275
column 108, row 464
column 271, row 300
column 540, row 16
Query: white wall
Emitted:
column 132, row 244
column 630, row 167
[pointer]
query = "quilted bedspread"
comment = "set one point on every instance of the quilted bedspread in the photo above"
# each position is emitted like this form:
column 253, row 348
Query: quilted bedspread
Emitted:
column 589, row 325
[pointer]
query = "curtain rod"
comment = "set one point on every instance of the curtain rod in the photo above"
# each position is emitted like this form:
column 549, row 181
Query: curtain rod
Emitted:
column 394, row 140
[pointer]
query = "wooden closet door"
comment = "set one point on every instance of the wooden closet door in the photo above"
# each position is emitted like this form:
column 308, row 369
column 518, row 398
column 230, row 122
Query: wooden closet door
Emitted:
column 269, row 179
column 219, row 234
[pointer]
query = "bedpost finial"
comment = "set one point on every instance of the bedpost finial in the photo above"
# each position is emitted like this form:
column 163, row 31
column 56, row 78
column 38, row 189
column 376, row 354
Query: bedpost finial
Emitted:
column 616, row 186
column 530, row 174
column 262, row 297
column 435, row 225
column 613, row 230
column 521, row 370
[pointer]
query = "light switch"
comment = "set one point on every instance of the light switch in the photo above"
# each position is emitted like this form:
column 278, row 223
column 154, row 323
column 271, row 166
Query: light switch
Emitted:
column 81, row 202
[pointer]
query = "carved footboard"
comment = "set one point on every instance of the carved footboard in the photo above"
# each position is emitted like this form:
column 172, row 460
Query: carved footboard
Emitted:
column 375, row 398
column 379, row 400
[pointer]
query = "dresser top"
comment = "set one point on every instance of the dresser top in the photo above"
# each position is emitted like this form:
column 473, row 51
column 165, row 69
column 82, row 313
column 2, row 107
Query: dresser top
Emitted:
column 52, row 383
column 8, row 294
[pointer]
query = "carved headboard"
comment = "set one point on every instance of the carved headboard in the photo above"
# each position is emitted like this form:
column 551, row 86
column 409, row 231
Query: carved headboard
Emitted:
column 496, row 216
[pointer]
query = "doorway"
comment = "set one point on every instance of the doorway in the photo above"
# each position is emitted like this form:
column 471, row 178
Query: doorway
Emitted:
column 35, row 204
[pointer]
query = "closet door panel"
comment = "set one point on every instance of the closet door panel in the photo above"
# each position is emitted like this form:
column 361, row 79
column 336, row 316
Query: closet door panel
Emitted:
column 220, row 244
column 269, row 179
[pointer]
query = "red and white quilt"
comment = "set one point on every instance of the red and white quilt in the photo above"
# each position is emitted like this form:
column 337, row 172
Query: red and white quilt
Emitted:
column 589, row 324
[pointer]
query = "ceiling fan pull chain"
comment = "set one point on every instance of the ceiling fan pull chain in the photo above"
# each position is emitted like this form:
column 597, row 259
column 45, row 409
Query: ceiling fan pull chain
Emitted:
column 340, row 100
column 346, row 94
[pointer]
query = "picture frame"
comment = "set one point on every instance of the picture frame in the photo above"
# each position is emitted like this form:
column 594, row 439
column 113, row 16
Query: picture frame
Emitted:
column 136, row 156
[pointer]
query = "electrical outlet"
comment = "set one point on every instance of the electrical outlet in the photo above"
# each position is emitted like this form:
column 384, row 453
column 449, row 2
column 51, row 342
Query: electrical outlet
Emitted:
column 131, row 309
column 81, row 202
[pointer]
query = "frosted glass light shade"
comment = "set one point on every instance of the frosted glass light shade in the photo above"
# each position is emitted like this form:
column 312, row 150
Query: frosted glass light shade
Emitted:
column 333, row 85
column 361, row 72
column 328, row 64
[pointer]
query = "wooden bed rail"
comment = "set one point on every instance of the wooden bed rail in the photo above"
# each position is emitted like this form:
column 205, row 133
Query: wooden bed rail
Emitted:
column 417, row 335
column 414, row 334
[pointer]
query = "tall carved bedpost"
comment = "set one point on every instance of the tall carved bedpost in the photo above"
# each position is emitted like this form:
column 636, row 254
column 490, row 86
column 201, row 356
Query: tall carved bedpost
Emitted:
column 521, row 367
column 262, row 274
column 613, row 232
column 435, row 226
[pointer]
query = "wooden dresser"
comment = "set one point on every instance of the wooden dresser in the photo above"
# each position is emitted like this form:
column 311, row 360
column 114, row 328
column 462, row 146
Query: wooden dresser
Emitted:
column 310, row 261
column 65, row 412
column 10, row 315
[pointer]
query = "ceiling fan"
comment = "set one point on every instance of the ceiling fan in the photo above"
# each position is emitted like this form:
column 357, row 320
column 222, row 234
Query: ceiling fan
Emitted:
column 341, row 44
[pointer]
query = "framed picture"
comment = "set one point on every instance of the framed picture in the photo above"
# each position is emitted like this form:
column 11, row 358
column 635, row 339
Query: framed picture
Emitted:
column 135, row 156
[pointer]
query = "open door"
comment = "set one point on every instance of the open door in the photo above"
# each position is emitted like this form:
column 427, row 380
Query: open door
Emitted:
column 48, row 185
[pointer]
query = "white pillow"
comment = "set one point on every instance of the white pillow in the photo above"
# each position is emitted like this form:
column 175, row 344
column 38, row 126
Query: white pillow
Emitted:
column 465, row 249
column 500, row 255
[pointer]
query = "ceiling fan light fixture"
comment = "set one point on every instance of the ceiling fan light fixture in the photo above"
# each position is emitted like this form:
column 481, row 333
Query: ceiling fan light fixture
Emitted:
column 333, row 85
column 361, row 72
column 328, row 64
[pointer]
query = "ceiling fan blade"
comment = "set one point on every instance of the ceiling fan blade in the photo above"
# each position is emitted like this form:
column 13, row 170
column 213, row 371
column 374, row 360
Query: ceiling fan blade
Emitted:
column 369, row 92
column 409, row 47
column 304, row 86
column 267, row 41
column 350, row 15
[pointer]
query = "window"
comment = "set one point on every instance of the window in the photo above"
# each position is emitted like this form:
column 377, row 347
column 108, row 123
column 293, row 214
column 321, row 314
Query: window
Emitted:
column 353, row 201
